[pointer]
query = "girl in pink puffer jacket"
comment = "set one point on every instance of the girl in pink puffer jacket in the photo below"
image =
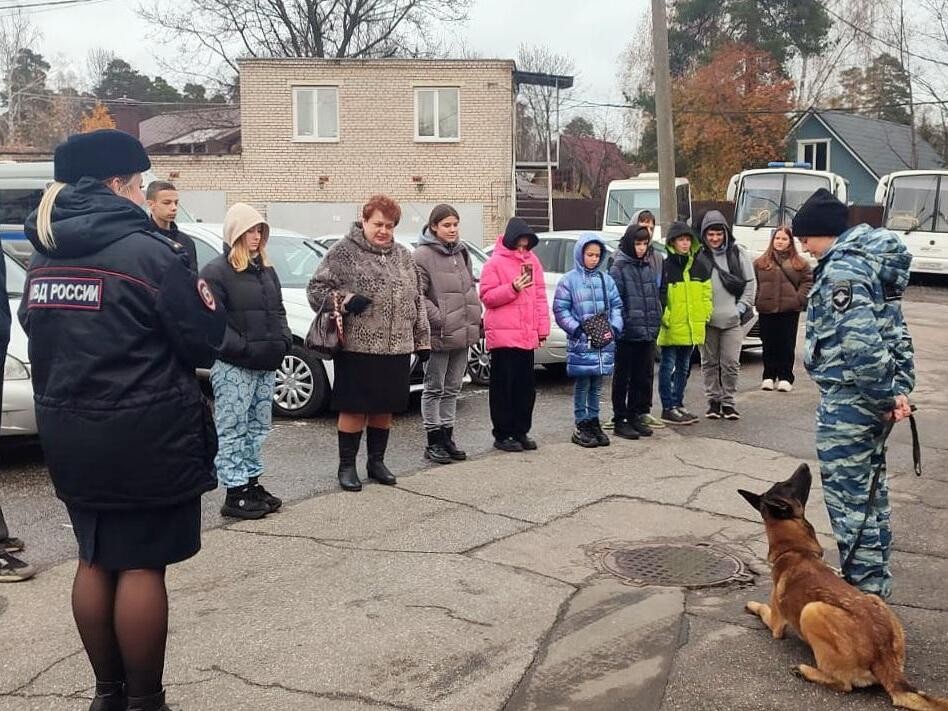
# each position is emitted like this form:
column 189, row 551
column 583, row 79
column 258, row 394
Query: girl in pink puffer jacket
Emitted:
column 516, row 322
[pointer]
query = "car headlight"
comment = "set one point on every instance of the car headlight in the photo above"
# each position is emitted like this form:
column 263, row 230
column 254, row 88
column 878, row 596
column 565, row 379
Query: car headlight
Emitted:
column 14, row 369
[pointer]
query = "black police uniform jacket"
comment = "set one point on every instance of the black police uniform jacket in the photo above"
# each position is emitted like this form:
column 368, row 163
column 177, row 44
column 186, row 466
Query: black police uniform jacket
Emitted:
column 117, row 322
column 257, row 332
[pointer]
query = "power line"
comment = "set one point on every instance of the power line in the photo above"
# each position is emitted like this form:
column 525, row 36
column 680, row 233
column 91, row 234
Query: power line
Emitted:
column 41, row 7
column 127, row 102
column 583, row 103
column 885, row 42
column 45, row 3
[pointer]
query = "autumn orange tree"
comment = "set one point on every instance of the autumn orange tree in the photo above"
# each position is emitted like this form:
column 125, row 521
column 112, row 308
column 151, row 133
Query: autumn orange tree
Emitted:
column 720, row 124
column 98, row 117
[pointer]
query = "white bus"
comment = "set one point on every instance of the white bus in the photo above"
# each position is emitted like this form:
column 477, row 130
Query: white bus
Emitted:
column 626, row 197
column 916, row 208
column 765, row 198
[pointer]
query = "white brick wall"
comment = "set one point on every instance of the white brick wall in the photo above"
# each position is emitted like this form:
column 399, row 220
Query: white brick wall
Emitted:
column 376, row 150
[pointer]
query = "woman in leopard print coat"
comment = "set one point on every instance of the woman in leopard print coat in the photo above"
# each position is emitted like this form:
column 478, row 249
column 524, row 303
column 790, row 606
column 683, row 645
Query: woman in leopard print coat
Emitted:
column 384, row 320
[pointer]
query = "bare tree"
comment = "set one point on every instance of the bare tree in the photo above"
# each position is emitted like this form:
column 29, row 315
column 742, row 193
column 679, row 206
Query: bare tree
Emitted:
column 98, row 60
column 226, row 30
column 542, row 102
column 17, row 33
column 637, row 77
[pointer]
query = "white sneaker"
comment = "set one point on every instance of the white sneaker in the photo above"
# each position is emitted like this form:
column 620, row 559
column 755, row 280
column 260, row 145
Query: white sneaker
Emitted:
column 767, row 384
column 784, row 386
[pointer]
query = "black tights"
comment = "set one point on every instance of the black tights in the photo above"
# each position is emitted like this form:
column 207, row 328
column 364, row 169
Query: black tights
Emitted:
column 122, row 618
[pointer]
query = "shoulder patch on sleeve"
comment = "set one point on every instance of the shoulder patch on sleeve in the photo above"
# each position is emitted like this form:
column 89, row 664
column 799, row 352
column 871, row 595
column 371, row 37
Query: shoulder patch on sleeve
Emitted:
column 842, row 295
column 207, row 296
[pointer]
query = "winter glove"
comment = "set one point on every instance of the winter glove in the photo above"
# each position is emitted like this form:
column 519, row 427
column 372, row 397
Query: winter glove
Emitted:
column 423, row 355
column 357, row 304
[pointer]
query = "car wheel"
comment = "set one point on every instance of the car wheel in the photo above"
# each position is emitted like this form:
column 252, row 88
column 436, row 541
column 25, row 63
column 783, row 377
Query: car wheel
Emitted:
column 301, row 385
column 478, row 363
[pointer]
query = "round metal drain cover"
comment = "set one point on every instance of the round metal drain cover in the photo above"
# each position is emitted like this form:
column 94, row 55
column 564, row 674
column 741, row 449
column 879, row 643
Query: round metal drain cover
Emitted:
column 679, row 565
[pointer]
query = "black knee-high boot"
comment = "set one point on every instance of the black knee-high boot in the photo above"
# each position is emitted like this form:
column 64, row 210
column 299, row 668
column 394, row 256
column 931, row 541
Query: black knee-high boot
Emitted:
column 348, row 449
column 376, row 442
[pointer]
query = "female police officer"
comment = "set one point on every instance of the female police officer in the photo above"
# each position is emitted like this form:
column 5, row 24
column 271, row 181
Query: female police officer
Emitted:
column 117, row 322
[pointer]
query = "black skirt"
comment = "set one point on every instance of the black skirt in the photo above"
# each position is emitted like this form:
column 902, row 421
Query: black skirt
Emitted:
column 138, row 538
column 365, row 383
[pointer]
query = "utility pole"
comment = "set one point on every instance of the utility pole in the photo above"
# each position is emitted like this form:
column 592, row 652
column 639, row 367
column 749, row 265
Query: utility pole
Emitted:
column 663, row 117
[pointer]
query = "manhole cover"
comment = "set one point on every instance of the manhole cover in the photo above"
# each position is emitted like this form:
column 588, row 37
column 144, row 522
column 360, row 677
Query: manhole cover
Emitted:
column 680, row 565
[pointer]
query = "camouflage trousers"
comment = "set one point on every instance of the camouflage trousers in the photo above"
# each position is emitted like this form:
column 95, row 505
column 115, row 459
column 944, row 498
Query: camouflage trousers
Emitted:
column 850, row 446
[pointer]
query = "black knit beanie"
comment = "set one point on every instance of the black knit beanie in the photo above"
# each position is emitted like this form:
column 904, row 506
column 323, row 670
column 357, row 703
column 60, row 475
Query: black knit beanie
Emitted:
column 822, row 215
column 100, row 154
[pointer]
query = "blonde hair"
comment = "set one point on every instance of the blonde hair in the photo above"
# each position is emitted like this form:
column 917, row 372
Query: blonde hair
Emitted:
column 239, row 256
column 44, row 213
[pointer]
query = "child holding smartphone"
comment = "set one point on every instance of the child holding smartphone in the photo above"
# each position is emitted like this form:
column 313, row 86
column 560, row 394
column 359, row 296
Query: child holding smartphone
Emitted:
column 516, row 322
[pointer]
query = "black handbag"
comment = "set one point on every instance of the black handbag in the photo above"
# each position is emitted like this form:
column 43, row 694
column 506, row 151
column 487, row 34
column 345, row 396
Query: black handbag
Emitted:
column 326, row 336
column 597, row 327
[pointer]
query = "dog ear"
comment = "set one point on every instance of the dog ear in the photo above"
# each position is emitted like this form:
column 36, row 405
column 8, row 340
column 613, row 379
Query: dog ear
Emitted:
column 752, row 499
column 778, row 508
column 800, row 483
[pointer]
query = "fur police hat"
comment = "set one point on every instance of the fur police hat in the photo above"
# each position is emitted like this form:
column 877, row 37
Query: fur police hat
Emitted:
column 100, row 155
column 822, row 215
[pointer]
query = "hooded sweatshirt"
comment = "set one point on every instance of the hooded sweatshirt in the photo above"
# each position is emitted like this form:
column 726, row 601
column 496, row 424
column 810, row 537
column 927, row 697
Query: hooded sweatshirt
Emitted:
column 639, row 281
column 581, row 294
column 450, row 291
column 257, row 332
column 732, row 258
column 856, row 337
column 686, row 293
column 117, row 322
column 514, row 319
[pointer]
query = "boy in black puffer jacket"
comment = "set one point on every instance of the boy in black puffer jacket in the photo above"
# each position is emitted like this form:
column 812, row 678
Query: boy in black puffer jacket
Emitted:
column 637, row 271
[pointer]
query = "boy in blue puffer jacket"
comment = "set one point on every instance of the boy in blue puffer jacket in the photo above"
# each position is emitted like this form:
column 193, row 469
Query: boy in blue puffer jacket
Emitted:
column 582, row 293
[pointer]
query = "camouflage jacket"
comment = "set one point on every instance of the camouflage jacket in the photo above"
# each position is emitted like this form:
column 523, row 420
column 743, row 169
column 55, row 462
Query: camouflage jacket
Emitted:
column 855, row 334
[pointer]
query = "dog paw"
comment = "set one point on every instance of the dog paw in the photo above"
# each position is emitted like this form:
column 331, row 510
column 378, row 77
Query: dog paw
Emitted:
column 797, row 672
column 751, row 607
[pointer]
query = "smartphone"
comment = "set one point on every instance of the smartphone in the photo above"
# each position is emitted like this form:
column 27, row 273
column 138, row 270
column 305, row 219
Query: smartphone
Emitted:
column 526, row 269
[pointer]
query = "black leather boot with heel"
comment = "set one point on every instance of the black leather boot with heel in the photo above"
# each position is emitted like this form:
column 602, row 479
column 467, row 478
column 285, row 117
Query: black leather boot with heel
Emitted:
column 109, row 696
column 458, row 455
column 152, row 702
column 348, row 449
column 376, row 442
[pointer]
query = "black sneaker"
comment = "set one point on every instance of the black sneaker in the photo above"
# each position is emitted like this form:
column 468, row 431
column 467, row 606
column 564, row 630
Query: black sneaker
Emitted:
column 11, row 545
column 243, row 502
column 729, row 412
column 692, row 417
column 527, row 442
column 640, row 425
column 602, row 439
column 508, row 444
column 627, row 430
column 14, row 570
column 273, row 502
column 714, row 410
column 584, row 436
column 675, row 417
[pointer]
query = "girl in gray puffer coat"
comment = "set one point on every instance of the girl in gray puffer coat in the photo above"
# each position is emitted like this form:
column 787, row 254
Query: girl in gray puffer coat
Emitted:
column 454, row 314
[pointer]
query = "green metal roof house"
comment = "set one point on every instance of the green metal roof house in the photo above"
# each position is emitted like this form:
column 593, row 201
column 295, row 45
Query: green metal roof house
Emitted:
column 858, row 148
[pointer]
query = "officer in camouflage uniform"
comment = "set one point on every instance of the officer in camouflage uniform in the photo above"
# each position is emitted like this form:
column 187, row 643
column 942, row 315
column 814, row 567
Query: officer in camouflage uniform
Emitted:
column 859, row 353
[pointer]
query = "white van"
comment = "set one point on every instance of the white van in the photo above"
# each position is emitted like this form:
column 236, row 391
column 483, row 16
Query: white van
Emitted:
column 626, row 197
column 765, row 198
column 916, row 208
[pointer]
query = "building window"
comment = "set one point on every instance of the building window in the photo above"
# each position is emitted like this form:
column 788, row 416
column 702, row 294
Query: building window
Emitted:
column 315, row 113
column 436, row 114
column 816, row 153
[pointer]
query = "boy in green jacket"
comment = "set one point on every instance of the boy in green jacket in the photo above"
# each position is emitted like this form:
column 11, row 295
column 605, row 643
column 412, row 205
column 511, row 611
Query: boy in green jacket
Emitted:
column 686, row 296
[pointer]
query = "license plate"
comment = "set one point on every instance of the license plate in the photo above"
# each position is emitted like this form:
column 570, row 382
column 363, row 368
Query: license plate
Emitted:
column 929, row 266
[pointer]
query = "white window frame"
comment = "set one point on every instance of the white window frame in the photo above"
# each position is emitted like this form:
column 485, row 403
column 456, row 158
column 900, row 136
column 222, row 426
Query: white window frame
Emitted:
column 316, row 138
column 801, row 151
column 436, row 138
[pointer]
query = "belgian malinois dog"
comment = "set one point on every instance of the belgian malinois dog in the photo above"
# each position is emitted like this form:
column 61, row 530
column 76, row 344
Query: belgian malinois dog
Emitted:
column 855, row 637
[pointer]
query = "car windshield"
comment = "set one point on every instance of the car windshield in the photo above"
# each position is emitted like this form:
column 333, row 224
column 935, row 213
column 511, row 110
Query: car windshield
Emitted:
column 295, row 259
column 911, row 203
column 16, row 277
column 16, row 204
column 764, row 194
column 622, row 204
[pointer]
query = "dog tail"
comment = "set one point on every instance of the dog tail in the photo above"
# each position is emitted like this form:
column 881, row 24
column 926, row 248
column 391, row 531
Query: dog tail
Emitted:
column 903, row 694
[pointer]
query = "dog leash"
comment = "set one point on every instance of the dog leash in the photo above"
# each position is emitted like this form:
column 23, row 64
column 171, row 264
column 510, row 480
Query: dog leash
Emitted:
column 917, row 464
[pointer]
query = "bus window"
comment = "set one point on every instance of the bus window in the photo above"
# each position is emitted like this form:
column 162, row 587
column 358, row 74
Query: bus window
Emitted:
column 622, row 204
column 941, row 219
column 17, row 203
column 911, row 203
column 759, row 201
column 798, row 188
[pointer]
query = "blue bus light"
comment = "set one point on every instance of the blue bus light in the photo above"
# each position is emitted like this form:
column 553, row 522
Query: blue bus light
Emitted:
column 789, row 164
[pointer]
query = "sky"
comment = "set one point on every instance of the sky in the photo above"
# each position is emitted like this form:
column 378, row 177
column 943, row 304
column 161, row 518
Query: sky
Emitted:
column 593, row 33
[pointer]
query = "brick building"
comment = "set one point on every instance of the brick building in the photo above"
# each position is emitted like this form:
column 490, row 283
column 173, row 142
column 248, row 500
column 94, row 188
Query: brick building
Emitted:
column 319, row 136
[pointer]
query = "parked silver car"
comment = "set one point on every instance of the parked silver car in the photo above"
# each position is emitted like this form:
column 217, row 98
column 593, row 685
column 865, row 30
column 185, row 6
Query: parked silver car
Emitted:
column 19, row 414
